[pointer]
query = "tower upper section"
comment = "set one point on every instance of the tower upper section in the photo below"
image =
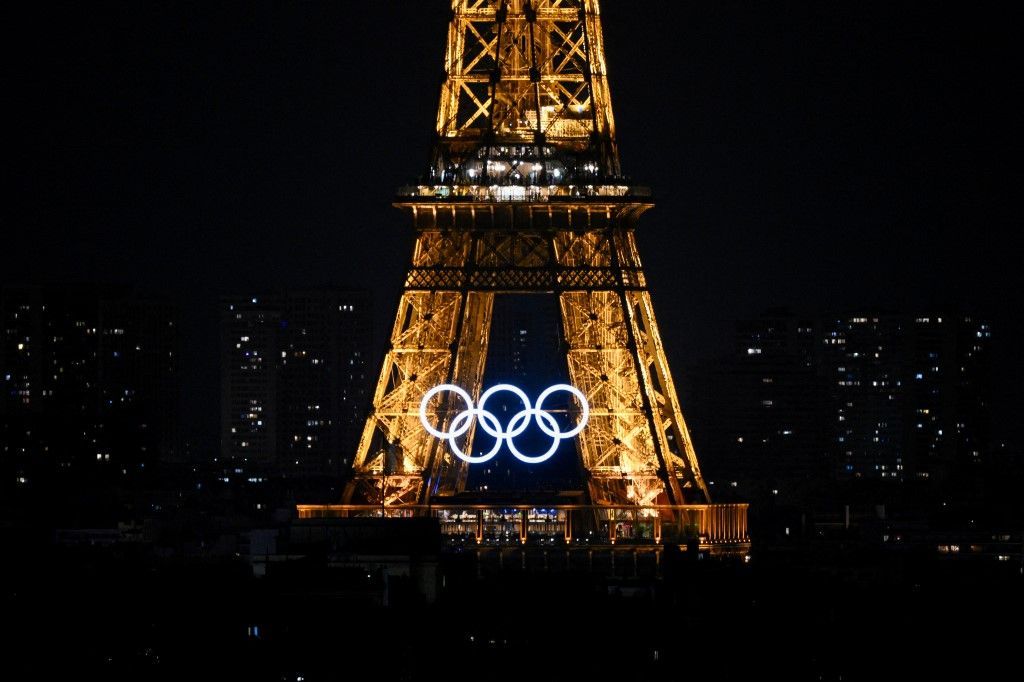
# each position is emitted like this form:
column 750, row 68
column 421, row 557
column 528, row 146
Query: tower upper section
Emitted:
column 525, row 111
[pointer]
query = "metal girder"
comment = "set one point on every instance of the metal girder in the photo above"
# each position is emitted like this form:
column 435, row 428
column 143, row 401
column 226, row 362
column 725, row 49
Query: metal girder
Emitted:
column 527, row 70
column 524, row 279
column 681, row 459
column 617, row 445
column 534, row 204
column 393, row 441
column 636, row 448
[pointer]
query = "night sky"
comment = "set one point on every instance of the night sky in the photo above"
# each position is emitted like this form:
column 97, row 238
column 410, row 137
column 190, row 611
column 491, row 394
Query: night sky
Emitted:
column 809, row 155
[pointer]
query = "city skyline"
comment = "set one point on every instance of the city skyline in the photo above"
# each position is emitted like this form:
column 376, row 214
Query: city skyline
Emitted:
column 824, row 160
column 202, row 480
column 883, row 397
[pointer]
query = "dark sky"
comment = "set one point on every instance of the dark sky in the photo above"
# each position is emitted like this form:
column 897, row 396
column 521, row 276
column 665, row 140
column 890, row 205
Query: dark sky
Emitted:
column 812, row 155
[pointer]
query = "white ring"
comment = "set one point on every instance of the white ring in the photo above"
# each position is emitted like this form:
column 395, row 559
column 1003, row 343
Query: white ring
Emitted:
column 584, row 417
column 533, row 459
column 497, row 389
column 423, row 409
column 457, row 451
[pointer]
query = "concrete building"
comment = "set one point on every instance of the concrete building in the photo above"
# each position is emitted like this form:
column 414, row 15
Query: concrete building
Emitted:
column 294, row 383
column 91, row 384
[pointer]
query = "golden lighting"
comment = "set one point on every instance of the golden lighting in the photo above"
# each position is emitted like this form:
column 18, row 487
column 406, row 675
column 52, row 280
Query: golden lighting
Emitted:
column 526, row 196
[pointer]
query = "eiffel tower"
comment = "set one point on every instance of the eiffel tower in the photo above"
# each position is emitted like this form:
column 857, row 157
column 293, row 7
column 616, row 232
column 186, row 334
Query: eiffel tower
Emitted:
column 524, row 194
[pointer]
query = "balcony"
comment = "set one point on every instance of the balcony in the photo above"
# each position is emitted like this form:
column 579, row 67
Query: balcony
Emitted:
column 716, row 528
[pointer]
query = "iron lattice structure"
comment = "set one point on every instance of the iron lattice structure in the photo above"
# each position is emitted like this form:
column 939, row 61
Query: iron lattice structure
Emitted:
column 524, row 195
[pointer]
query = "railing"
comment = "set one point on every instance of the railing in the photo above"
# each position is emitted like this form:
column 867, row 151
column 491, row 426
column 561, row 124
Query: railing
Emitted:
column 524, row 193
column 712, row 525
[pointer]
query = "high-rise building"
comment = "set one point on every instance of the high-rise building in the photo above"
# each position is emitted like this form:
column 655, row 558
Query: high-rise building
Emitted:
column 91, row 384
column 948, row 394
column 249, row 330
column 293, row 380
column 910, row 394
column 862, row 396
column 760, row 413
column 865, row 359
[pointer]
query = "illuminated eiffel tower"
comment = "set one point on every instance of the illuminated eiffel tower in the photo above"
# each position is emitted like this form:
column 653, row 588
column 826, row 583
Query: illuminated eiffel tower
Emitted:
column 525, row 195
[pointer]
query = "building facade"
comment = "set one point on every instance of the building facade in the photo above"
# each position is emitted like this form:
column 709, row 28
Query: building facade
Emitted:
column 91, row 381
column 860, row 396
column 293, row 381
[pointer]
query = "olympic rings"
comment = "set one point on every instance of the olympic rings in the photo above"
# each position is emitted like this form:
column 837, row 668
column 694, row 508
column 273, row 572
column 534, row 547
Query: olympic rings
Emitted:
column 492, row 427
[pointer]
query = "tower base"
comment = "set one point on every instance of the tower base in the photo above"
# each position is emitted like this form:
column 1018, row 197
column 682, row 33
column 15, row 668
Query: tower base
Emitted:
column 716, row 528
